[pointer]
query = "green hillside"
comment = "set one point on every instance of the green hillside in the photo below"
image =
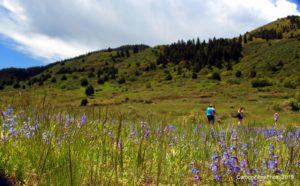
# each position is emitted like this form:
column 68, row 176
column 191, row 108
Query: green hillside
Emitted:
column 156, row 79
column 282, row 28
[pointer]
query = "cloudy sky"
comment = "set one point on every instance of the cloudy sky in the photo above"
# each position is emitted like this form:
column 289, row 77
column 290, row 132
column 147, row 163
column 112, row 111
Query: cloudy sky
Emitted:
column 37, row 32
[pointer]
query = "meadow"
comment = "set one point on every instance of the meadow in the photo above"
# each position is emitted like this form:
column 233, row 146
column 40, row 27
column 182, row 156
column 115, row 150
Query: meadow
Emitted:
column 44, row 145
column 145, row 123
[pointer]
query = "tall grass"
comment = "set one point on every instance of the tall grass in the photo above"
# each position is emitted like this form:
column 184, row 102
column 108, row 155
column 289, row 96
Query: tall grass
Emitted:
column 47, row 146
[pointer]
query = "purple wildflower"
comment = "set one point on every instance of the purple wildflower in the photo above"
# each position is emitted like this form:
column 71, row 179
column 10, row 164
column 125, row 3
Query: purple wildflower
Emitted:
column 254, row 182
column 214, row 156
column 45, row 137
column 9, row 110
column 248, row 171
column 236, row 169
column 217, row 177
column 171, row 128
column 232, row 148
column 158, row 129
column 67, row 123
column 214, row 168
column 197, row 178
column 243, row 164
column 12, row 130
column 83, row 120
column 146, row 135
column 36, row 126
column 5, row 138
column 271, row 164
column 279, row 171
column 245, row 152
column 244, row 146
column 297, row 133
column 195, row 171
column 27, row 134
column 232, row 160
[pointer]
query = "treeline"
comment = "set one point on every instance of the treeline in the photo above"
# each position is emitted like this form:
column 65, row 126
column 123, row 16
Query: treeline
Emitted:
column 277, row 33
column 196, row 55
column 295, row 22
column 134, row 48
column 10, row 75
column 268, row 34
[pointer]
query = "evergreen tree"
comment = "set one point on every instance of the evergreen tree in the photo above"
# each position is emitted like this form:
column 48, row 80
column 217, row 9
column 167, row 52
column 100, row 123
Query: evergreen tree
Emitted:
column 245, row 39
column 84, row 82
column 127, row 53
column 16, row 85
column 89, row 91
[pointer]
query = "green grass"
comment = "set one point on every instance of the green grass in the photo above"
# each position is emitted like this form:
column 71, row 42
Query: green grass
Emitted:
column 129, row 148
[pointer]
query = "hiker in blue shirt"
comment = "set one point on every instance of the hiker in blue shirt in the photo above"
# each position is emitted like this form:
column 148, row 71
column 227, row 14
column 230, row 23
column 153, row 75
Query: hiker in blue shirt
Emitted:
column 210, row 113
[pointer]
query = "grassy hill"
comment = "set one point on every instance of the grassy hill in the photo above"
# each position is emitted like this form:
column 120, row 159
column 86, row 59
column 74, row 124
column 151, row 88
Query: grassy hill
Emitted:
column 264, row 80
column 282, row 28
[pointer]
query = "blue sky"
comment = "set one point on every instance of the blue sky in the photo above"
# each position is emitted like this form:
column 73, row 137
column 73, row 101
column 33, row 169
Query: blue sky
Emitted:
column 35, row 32
column 297, row 2
column 10, row 57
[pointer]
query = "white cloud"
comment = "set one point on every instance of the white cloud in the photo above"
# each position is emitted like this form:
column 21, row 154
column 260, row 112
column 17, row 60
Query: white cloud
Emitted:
column 56, row 29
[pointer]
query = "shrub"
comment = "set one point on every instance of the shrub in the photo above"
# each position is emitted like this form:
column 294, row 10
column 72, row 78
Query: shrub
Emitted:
column 89, row 91
column 100, row 81
column 133, row 78
column 84, row 82
column 53, row 80
column 295, row 106
column 194, row 75
column 64, row 77
column 291, row 82
column 84, row 102
column 105, row 77
column 261, row 82
column 121, row 80
column 252, row 73
column 216, row 76
column 91, row 75
column 168, row 77
column 17, row 85
column 238, row 74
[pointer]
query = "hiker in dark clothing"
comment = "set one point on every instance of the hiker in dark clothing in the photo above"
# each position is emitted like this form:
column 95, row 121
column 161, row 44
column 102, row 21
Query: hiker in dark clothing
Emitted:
column 240, row 115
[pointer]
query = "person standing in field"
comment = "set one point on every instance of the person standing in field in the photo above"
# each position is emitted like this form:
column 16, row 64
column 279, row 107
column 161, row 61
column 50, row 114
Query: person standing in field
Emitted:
column 276, row 116
column 240, row 115
column 210, row 113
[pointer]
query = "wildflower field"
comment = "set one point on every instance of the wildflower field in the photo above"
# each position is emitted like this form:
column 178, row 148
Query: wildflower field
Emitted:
column 46, row 146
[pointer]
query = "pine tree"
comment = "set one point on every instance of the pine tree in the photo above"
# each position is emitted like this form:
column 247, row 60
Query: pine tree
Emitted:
column 89, row 91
